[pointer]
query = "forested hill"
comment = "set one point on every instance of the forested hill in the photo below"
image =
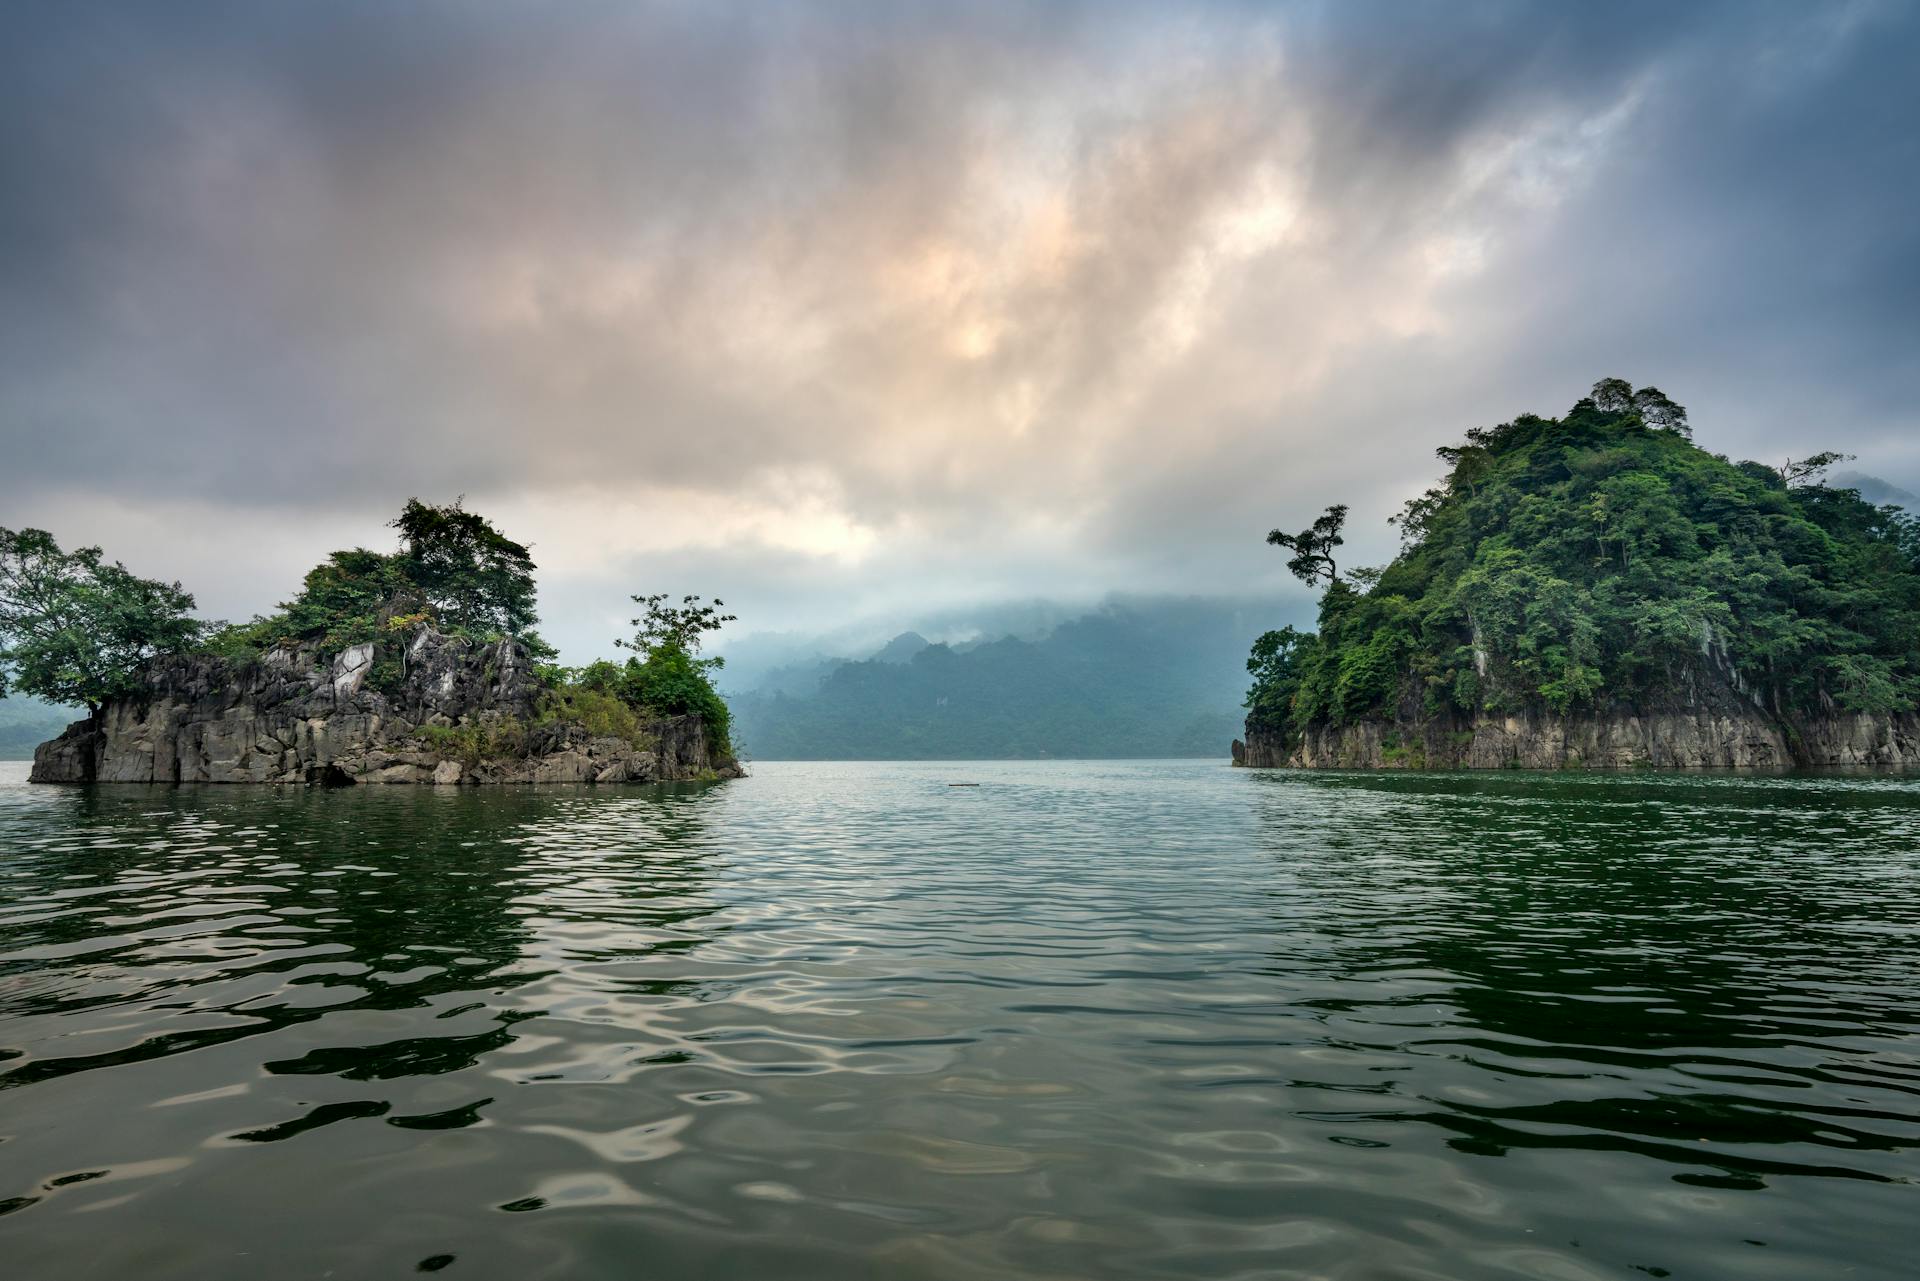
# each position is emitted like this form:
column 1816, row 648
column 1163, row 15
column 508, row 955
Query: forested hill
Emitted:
column 1156, row 678
column 1600, row 562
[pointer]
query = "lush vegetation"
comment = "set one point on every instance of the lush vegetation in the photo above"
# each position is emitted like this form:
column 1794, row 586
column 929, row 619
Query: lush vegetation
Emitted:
column 76, row 628
column 453, row 569
column 666, row 676
column 1600, row 557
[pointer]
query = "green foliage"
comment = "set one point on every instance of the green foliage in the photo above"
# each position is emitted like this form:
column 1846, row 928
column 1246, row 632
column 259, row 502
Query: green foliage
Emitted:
column 453, row 571
column 603, row 712
column 1564, row 562
column 241, row 642
column 680, row 627
column 618, row 698
column 674, row 682
column 1275, row 667
column 670, row 682
column 341, row 598
column 475, row 742
column 476, row 579
column 75, row 628
column 667, row 678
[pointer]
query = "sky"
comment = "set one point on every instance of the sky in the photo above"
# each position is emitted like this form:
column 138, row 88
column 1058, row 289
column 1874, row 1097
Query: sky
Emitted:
column 861, row 313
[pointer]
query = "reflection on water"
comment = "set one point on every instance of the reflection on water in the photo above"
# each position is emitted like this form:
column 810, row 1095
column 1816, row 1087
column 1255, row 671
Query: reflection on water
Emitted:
column 1089, row 1019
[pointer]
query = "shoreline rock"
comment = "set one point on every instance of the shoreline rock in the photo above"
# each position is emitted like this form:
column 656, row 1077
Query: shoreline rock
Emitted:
column 1700, row 737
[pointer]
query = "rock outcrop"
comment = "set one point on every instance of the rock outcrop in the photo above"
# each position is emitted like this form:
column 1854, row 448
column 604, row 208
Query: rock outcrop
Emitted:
column 1699, row 737
column 457, row 713
column 1261, row 750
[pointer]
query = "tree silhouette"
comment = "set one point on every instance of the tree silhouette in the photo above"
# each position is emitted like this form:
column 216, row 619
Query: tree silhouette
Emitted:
column 1313, row 546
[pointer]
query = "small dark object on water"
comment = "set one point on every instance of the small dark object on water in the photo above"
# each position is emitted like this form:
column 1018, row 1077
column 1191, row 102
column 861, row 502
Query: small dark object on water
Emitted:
column 963, row 784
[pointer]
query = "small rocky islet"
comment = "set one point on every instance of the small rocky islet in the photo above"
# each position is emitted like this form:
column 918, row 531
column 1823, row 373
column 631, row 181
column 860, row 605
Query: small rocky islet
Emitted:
column 462, row 713
column 420, row 665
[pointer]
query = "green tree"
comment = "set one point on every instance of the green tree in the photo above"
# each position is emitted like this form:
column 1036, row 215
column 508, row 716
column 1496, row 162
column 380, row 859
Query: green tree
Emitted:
column 1313, row 546
column 475, row 578
column 667, row 678
column 341, row 598
column 75, row 628
column 1275, row 667
column 681, row 627
column 453, row 569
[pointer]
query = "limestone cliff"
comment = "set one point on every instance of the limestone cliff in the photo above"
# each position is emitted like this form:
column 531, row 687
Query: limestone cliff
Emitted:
column 1700, row 737
column 460, row 713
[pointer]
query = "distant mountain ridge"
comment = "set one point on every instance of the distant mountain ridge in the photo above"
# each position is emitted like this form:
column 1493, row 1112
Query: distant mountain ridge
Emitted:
column 902, row 648
column 1137, row 679
column 25, row 723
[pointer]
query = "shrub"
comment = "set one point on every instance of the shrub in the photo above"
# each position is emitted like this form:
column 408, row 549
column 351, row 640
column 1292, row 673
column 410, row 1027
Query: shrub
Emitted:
column 671, row 682
column 475, row 742
column 604, row 714
column 619, row 698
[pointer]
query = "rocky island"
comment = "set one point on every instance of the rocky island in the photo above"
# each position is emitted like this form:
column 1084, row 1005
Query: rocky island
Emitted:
column 1596, row 591
column 463, row 713
column 419, row 666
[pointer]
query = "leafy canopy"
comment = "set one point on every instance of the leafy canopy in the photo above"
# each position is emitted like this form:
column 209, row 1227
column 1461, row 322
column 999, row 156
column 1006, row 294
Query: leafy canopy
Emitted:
column 1603, row 556
column 75, row 628
column 668, row 678
column 663, row 679
column 453, row 569
column 475, row 578
column 663, row 626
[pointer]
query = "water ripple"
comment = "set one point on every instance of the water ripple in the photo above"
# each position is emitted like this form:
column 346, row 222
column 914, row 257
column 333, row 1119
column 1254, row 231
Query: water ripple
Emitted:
column 1089, row 1019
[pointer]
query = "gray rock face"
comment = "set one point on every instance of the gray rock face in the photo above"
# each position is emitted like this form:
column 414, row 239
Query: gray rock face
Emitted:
column 1262, row 750
column 299, row 716
column 1701, row 737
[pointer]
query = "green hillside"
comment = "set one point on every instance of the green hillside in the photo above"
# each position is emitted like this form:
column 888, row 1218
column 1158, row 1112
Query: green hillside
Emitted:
column 1603, row 558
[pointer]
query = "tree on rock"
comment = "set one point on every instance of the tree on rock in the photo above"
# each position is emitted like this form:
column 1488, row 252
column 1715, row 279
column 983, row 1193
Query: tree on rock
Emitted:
column 453, row 570
column 664, row 626
column 77, row 629
column 474, row 577
column 1313, row 546
column 667, row 678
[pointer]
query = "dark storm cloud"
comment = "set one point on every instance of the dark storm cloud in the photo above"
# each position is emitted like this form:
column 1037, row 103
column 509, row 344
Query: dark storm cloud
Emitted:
column 848, row 302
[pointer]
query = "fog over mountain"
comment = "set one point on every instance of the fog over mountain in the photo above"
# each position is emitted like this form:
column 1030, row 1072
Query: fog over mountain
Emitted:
column 1133, row 677
column 25, row 723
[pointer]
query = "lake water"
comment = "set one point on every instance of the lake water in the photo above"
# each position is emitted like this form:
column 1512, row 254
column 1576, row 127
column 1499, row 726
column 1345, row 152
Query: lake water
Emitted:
column 1098, row 1020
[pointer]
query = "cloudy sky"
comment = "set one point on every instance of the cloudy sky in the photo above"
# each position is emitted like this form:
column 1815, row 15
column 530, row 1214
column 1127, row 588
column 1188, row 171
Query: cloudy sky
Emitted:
column 870, row 311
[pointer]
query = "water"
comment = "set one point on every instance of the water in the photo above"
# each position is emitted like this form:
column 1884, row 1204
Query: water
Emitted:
column 844, row 1021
